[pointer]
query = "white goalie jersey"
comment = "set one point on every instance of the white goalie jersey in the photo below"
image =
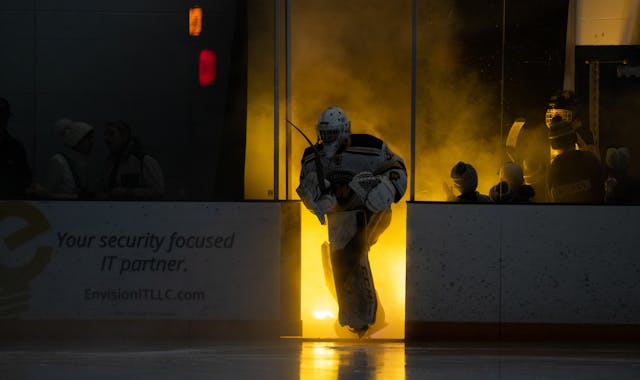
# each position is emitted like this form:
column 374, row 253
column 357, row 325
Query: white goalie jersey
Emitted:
column 363, row 174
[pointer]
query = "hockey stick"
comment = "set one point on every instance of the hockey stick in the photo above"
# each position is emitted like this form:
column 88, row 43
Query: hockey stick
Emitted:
column 319, row 170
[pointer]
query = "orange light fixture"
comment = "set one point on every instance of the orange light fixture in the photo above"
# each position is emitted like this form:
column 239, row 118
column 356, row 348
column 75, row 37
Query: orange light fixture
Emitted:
column 195, row 21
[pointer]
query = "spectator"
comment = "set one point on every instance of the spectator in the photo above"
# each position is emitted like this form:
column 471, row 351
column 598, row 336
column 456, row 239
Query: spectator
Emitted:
column 534, row 173
column 129, row 173
column 511, row 188
column 501, row 193
column 465, row 182
column 619, row 185
column 574, row 176
column 68, row 176
column 14, row 168
column 567, row 106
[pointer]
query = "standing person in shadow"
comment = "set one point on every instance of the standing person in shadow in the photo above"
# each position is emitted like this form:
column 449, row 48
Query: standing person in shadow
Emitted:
column 574, row 176
column 14, row 168
column 68, row 175
column 130, row 173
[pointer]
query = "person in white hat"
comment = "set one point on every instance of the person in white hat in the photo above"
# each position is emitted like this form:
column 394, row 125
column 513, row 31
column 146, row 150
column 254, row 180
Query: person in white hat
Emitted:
column 511, row 188
column 69, row 176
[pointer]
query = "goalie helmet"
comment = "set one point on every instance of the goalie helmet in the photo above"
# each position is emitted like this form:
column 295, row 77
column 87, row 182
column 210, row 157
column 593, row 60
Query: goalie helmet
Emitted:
column 334, row 129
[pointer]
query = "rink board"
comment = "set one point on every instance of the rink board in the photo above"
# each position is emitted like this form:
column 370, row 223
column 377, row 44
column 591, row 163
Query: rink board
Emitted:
column 151, row 261
column 485, row 270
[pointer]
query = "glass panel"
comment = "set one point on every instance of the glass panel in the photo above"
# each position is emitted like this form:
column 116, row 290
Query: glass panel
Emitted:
column 487, row 75
column 133, row 61
column 258, row 170
column 458, row 106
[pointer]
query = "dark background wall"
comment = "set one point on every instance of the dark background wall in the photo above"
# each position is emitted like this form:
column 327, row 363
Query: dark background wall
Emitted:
column 132, row 60
column 619, row 100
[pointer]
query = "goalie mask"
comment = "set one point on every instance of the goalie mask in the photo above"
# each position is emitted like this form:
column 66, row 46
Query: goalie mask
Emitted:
column 334, row 129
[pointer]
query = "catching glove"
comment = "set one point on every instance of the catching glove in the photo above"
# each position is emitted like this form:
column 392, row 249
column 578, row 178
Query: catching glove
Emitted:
column 376, row 192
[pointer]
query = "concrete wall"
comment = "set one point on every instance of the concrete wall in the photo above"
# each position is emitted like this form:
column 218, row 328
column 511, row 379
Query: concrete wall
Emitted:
column 522, row 264
column 132, row 60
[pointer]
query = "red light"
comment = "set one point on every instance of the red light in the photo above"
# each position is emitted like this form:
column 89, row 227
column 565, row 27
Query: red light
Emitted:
column 208, row 68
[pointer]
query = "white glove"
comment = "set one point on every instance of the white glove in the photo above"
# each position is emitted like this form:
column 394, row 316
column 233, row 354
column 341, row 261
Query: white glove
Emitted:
column 307, row 197
column 381, row 196
column 313, row 199
column 376, row 192
column 310, row 186
column 325, row 204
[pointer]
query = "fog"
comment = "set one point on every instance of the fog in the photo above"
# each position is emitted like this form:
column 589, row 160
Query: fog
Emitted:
column 359, row 58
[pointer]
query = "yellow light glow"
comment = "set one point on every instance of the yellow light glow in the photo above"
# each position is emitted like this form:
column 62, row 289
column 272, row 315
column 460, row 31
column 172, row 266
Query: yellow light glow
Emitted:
column 387, row 258
column 318, row 361
column 320, row 350
column 323, row 314
column 195, row 21
column 330, row 361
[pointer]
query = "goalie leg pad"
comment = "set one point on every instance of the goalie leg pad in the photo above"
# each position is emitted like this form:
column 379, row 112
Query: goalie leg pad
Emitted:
column 343, row 227
column 353, row 280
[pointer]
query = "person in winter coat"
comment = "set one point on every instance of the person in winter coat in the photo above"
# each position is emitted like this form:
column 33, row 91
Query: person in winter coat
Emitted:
column 129, row 172
column 465, row 183
column 69, row 172
column 511, row 188
column 574, row 176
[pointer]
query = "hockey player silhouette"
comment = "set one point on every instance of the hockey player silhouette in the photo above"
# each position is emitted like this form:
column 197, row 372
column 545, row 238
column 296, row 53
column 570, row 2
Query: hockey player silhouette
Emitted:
column 351, row 179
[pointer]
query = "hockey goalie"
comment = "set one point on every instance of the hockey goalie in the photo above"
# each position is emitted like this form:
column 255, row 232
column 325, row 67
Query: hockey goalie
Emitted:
column 350, row 181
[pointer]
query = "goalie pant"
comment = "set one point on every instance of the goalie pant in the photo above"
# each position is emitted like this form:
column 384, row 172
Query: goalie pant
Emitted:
column 351, row 234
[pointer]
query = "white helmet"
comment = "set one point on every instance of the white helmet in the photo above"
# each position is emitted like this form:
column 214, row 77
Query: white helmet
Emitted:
column 334, row 129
